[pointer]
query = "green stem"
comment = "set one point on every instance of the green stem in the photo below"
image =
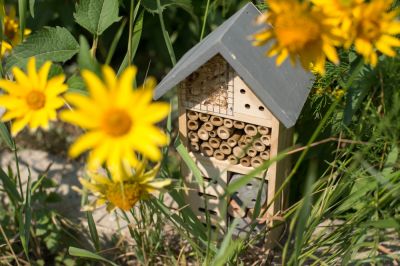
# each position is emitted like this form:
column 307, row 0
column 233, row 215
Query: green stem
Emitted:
column 130, row 32
column 14, row 149
column 114, row 44
column 165, row 34
column 204, row 20
column 94, row 46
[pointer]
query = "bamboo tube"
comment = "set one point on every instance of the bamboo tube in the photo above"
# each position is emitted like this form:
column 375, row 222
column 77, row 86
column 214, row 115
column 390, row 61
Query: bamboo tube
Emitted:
column 208, row 126
column 214, row 142
column 192, row 115
column 193, row 125
column 225, row 148
column 212, row 133
column 193, row 136
column 238, row 124
column 219, row 155
column 223, row 132
column 206, row 149
column 245, row 161
column 250, row 130
column 204, row 117
column 203, row 134
column 232, row 159
column 228, row 123
column 263, row 130
column 256, row 161
column 194, row 146
column 216, row 121
column 238, row 152
column 233, row 140
column 264, row 155
column 259, row 146
column 242, row 144
column 266, row 140
column 251, row 152
column 248, row 139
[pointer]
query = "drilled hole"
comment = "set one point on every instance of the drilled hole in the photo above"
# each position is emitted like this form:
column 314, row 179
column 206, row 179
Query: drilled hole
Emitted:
column 261, row 108
column 207, row 195
column 209, row 211
column 242, row 91
column 247, row 106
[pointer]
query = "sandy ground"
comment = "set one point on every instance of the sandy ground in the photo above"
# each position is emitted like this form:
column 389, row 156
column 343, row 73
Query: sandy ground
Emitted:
column 65, row 173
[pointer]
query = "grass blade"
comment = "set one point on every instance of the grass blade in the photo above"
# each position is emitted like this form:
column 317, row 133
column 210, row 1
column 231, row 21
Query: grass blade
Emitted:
column 189, row 162
column 32, row 8
column 93, row 231
column 10, row 187
column 83, row 253
column 115, row 41
column 137, row 34
column 5, row 135
column 22, row 6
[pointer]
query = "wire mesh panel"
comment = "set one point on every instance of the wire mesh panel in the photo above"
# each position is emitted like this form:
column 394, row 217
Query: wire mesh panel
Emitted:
column 210, row 88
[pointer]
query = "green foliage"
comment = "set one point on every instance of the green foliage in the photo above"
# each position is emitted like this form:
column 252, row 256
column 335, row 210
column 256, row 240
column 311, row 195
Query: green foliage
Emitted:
column 55, row 44
column 96, row 15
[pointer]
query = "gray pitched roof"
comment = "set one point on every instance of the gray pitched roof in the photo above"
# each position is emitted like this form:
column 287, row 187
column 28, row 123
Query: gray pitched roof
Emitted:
column 283, row 90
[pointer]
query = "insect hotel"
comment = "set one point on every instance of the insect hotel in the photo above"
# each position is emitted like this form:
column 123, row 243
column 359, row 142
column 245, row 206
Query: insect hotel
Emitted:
column 236, row 109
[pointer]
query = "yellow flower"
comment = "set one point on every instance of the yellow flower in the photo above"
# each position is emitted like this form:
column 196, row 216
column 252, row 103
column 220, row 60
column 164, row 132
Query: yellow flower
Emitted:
column 11, row 32
column 118, row 120
column 339, row 13
column 32, row 100
column 300, row 32
column 373, row 29
column 125, row 193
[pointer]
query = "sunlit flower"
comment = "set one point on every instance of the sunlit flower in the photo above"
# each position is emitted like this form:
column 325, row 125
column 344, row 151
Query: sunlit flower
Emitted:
column 12, row 36
column 299, row 32
column 339, row 13
column 374, row 29
column 125, row 193
column 118, row 120
column 32, row 100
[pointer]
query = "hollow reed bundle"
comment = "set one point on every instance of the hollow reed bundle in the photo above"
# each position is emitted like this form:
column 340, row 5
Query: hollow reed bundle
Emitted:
column 224, row 132
column 204, row 117
column 214, row 142
column 193, row 125
column 232, row 141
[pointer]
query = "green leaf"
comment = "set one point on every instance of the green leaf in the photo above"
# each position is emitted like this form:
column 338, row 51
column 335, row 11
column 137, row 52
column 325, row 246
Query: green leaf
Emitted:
column 5, row 135
column 78, row 252
column 137, row 34
column 151, row 5
column 385, row 224
column 96, row 15
column 85, row 59
column 10, row 187
column 55, row 44
column 189, row 162
column 22, row 6
column 93, row 231
column 32, row 7
column 25, row 235
column 75, row 83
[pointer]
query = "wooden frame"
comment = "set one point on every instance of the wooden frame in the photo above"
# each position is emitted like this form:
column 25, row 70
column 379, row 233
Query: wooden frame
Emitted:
column 218, row 172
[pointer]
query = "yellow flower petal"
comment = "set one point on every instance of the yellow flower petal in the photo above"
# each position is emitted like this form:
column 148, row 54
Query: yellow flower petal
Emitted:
column 96, row 87
column 19, row 124
column 85, row 142
column 43, row 73
column 32, row 74
column 109, row 77
column 21, row 78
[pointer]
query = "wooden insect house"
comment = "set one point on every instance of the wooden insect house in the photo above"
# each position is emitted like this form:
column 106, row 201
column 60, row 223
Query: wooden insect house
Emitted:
column 236, row 109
